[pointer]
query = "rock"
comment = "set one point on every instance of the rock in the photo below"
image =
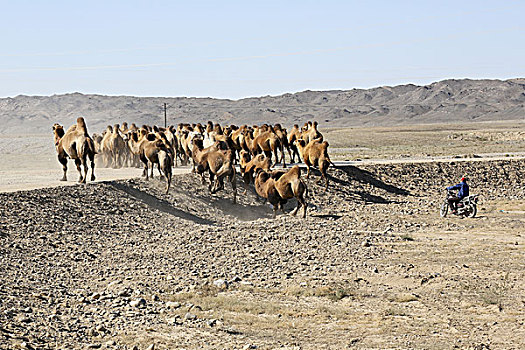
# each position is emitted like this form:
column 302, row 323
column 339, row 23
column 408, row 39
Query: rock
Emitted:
column 173, row 304
column 155, row 297
column 190, row 317
column 141, row 302
column 151, row 347
column 94, row 346
column 94, row 296
column 174, row 321
column 25, row 345
column 221, row 284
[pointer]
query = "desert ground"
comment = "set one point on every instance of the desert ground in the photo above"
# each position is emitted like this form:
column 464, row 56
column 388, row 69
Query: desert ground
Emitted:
column 118, row 264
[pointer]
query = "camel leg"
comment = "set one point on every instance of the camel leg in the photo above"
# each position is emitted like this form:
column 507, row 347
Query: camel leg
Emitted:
column 168, row 178
column 296, row 152
column 324, row 168
column 283, row 162
column 92, row 160
column 63, row 161
column 276, row 156
column 211, row 186
column 307, row 169
column 78, row 162
column 160, row 173
column 145, row 170
column 85, row 166
column 233, row 181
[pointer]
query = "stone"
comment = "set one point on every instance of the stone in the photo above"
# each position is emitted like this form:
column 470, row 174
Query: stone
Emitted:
column 173, row 304
column 190, row 317
column 141, row 302
column 221, row 283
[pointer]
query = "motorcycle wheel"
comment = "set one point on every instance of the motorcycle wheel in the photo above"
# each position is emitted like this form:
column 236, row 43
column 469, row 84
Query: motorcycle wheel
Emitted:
column 472, row 211
column 443, row 211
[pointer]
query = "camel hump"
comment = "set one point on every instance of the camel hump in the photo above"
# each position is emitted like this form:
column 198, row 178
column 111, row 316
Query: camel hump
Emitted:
column 81, row 125
column 295, row 171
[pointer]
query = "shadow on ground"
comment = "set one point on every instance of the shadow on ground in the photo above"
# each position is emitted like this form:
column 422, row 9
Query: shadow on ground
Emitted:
column 158, row 203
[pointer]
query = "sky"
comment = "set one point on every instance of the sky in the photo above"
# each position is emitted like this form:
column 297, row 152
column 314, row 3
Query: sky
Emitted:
column 236, row 49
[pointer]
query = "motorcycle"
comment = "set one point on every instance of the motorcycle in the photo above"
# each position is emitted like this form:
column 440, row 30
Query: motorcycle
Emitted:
column 466, row 206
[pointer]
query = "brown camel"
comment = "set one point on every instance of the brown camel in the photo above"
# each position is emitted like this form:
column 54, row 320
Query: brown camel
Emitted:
column 315, row 153
column 311, row 133
column 76, row 144
column 248, row 165
column 220, row 165
column 268, row 142
column 115, row 147
column 294, row 135
column 156, row 152
column 280, row 187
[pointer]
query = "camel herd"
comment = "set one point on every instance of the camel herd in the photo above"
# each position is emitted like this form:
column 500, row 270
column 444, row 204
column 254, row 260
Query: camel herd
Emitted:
column 212, row 149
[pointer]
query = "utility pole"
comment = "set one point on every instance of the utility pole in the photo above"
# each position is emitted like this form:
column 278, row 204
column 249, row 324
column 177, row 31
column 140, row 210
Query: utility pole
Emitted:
column 165, row 116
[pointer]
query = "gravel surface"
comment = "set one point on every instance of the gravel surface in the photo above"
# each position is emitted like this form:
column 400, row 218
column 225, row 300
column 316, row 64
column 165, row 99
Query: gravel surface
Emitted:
column 110, row 264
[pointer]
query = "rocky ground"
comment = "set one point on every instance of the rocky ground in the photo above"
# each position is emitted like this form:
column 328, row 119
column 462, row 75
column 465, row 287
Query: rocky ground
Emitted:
column 120, row 265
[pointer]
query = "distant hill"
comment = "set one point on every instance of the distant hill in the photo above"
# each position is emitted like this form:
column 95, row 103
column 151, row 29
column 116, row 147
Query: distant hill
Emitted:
column 445, row 101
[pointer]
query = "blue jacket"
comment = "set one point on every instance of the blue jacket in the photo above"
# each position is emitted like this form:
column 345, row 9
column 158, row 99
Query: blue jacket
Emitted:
column 462, row 187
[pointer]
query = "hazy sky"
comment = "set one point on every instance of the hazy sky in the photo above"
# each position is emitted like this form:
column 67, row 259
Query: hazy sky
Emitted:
column 235, row 49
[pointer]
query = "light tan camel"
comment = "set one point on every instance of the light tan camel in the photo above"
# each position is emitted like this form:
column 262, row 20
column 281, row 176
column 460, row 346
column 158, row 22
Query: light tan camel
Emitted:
column 76, row 144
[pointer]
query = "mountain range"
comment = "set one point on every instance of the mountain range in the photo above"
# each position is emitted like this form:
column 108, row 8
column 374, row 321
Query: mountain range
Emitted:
column 446, row 101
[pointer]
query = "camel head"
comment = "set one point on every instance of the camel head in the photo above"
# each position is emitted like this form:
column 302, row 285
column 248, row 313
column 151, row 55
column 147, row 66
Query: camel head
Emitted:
column 143, row 133
column 300, row 142
column 244, row 156
column 116, row 128
column 197, row 142
column 134, row 136
column 262, row 175
column 58, row 131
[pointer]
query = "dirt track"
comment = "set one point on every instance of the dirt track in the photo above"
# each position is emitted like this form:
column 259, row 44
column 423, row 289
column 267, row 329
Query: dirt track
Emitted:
column 118, row 264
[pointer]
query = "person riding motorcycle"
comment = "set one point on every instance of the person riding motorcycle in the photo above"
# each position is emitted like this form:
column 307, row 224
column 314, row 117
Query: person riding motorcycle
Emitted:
column 463, row 191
